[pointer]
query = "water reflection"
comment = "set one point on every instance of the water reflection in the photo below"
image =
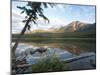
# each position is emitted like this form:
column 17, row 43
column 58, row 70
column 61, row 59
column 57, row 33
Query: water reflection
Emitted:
column 62, row 50
column 72, row 47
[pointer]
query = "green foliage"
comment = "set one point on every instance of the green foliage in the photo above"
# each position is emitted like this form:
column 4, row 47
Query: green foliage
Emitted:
column 35, row 10
column 76, row 36
column 45, row 65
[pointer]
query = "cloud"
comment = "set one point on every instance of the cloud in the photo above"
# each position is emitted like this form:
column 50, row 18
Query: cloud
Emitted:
column 17, row 24
column 54, row 23
column 60, row 15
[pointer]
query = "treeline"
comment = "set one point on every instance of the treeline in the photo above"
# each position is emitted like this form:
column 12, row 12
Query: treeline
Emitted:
column 58, row 35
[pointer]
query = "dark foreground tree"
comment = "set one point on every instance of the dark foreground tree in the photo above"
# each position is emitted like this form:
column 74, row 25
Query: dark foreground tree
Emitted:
column 33, row 10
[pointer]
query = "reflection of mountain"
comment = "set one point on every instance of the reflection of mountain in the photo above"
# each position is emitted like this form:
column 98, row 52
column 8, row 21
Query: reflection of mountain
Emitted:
column 72, row 47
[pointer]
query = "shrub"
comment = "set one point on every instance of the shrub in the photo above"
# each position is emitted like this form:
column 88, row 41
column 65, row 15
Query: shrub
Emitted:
column 49, row 65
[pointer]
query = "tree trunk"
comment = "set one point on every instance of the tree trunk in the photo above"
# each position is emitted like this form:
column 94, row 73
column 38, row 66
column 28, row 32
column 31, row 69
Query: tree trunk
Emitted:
column 15, row 46
column 18, row 39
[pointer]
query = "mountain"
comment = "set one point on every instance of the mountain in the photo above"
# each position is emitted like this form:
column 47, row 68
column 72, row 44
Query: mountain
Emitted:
column 77, row 26
column 76, row 29
column 41, row 31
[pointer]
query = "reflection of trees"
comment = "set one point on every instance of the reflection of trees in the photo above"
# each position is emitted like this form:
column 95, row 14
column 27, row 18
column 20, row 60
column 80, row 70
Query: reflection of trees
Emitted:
column 75, row 49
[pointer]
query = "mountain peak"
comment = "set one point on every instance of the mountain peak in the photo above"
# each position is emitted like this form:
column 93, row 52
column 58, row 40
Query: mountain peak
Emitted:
column 78, row 22
column 74, row 25
column 77, row 26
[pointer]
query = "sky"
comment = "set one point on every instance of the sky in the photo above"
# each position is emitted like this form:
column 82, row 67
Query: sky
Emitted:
column 59, row 15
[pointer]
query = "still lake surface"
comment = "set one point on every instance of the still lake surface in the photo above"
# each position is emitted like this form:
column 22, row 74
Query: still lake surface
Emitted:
column 62, row 50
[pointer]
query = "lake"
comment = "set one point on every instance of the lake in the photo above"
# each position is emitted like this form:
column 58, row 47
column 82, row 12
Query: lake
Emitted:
column 61, row 49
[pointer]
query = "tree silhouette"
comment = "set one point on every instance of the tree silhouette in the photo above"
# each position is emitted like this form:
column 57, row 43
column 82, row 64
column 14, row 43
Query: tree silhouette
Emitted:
column 33, row 11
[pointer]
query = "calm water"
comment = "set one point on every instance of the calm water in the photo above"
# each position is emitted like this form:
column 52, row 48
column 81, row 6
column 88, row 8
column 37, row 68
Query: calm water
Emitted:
column 63, row 50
